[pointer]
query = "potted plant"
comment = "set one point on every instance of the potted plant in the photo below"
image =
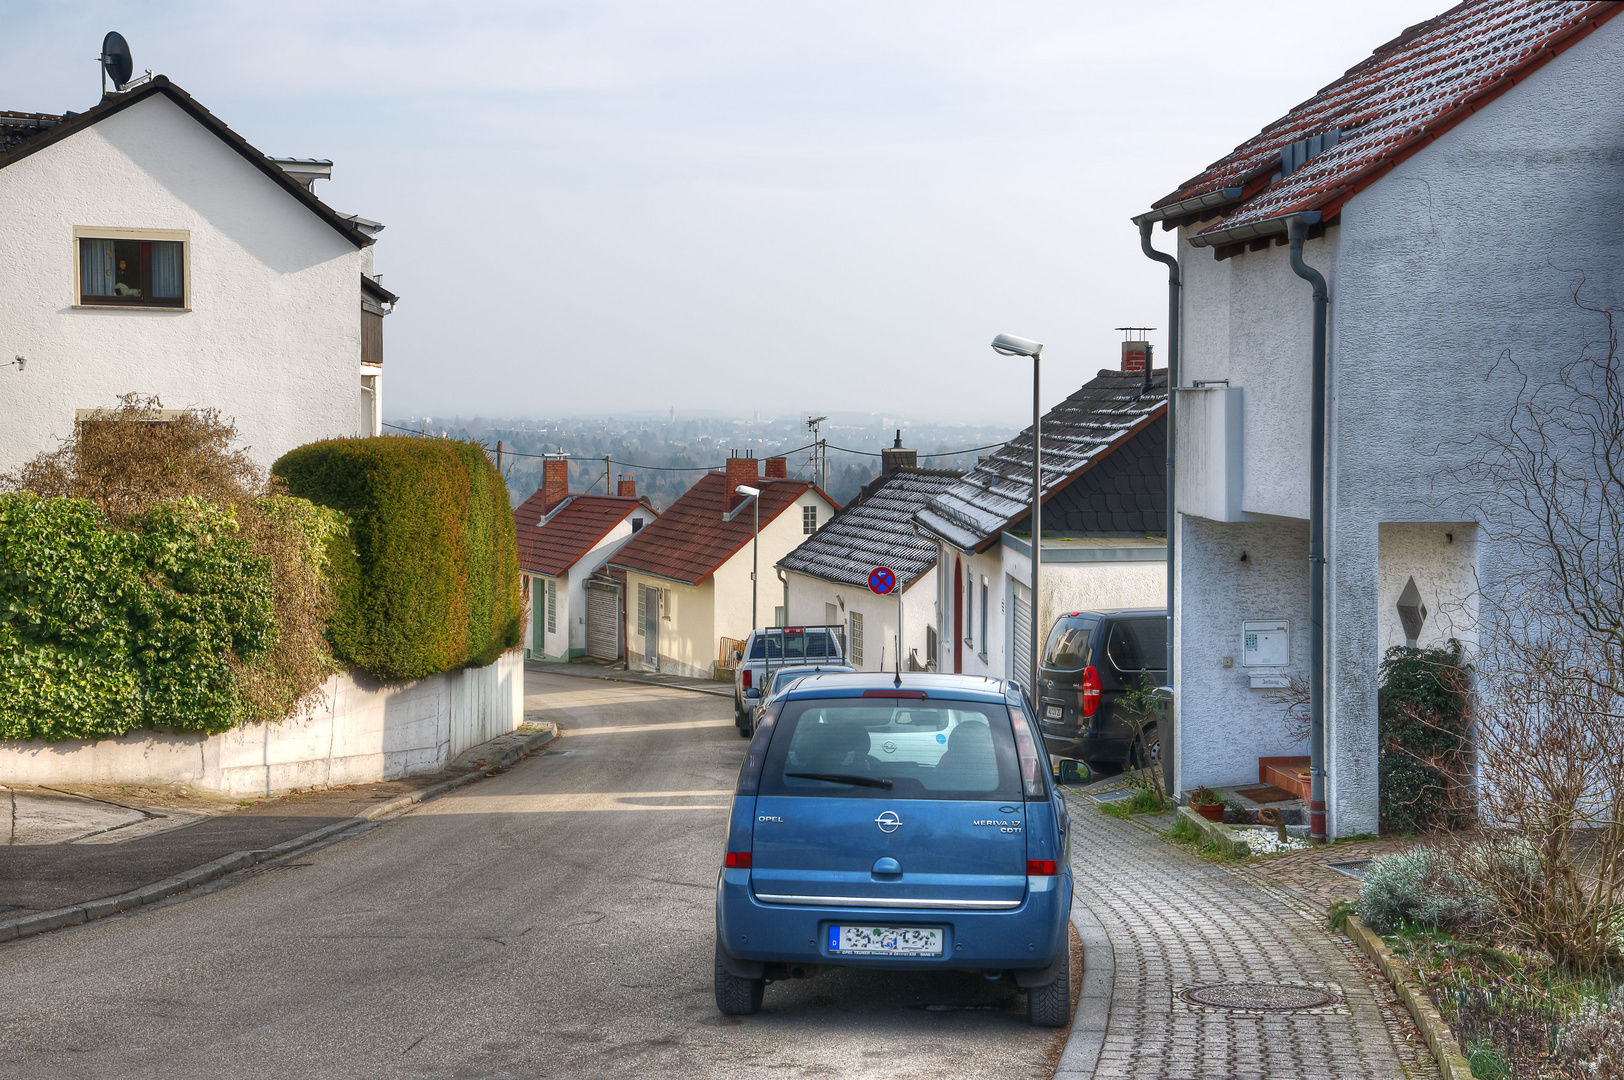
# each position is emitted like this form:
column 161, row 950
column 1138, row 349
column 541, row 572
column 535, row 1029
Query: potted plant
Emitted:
column 1208, row 804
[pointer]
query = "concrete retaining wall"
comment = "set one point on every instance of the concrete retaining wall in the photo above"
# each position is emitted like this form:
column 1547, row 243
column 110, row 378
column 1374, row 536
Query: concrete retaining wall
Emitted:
column 362, row 732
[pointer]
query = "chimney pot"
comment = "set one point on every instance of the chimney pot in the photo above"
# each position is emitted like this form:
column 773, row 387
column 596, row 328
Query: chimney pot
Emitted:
column 627, row 486
column 894, row 457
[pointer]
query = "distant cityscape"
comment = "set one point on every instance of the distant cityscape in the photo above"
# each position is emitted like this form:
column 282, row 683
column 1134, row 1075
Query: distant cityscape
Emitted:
column 668, row 454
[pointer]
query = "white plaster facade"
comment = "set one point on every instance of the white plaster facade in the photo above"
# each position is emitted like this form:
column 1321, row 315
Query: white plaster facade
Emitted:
column 1461, row 256
column 271, row 330
column 567, row 638
column 695, row 618
column 811, row 598
column 1079, row 574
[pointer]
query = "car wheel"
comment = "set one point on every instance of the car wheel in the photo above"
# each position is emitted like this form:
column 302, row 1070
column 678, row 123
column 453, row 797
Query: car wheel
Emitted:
column 1149, row 750
column 1050, row 1006
column 742, row 997
column 747, row 727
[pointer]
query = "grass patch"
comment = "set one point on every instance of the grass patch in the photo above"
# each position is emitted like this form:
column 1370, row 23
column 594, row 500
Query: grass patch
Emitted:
column 1143, row 802
column 1188, row 834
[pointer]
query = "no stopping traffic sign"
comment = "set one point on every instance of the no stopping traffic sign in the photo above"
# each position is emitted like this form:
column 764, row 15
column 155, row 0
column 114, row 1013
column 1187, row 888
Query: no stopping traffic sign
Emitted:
column 882, row 581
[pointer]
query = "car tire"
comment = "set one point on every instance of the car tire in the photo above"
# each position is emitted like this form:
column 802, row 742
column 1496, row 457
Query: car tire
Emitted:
column 1150, row 747
column 1050, row 1006
column 746, row 728
column 736, row 996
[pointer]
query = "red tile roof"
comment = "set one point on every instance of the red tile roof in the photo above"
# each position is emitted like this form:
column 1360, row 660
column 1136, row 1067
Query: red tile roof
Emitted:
column 691, row 540
column 572, row 531
column 1407, row 93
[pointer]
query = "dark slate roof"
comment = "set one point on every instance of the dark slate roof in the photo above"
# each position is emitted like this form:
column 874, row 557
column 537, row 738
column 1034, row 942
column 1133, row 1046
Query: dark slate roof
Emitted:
column 19, row 127
column 692, row 539
column 551, row 545
column 111, row 104
column 1078, row 434
column 875, row 529
column 1388, row 106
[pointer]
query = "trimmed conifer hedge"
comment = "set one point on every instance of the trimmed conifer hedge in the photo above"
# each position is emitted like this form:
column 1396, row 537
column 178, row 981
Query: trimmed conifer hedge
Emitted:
column 428, row 580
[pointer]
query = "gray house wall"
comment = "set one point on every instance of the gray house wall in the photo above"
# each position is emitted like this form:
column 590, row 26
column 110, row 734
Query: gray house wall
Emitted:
column 1457, row 258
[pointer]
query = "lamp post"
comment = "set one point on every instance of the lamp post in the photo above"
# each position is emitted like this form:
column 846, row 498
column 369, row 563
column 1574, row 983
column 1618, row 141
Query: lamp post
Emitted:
column 755, row 547
column 1010, row 345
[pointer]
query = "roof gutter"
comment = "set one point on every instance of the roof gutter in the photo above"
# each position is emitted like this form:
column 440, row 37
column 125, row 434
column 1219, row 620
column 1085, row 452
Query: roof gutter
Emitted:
column 1220, row 197
column 1298, row 231
column 1269, row 227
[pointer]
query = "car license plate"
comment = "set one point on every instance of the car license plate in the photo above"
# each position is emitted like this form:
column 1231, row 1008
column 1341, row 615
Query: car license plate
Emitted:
column 1052, row 712
column 885, row 940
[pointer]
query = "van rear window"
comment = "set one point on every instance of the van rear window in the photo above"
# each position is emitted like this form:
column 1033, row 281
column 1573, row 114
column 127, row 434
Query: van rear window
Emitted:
column 857, row 748
column 1068, row 648
column 1135, row 645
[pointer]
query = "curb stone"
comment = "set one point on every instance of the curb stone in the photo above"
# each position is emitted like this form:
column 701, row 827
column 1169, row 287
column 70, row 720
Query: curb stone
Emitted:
column 1086, row 1038
column 45, row 921
column 1440, row 1038
column 597, row 673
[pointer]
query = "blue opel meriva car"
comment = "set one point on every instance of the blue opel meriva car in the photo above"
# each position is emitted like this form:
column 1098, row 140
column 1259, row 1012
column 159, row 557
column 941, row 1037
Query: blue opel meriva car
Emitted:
column 896, row 822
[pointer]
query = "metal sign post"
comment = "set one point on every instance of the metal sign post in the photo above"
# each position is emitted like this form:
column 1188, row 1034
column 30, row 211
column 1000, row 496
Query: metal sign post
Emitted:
column 882, row 582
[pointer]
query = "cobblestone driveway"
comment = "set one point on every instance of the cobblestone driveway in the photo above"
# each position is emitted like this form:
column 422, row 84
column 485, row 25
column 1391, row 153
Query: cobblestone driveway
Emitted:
column 1177, row 921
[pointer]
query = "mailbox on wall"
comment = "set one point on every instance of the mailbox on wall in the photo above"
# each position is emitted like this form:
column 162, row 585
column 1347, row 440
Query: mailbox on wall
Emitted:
column 1266, row 644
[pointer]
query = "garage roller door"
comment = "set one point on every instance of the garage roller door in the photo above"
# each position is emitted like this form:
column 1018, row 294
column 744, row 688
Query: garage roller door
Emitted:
column 602, row 621
column 1020, row 651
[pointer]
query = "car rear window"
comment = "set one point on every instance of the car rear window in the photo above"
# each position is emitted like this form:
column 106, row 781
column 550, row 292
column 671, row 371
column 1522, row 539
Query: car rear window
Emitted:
column 812, row 645
column 1135, row 645
column 1069, row 646
column 930, row 749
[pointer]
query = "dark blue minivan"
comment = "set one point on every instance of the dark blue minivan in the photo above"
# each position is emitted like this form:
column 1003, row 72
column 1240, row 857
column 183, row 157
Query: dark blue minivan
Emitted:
column 907, row 822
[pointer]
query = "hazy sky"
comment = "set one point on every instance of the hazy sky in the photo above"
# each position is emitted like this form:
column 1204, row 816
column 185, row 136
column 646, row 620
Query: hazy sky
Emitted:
column 763, row 205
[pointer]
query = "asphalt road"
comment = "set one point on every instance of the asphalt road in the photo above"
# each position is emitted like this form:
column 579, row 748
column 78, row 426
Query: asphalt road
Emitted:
column 553, row 921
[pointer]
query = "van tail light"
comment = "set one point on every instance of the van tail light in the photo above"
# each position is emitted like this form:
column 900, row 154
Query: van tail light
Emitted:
column 740, row 860
column 747, row 678
column 1034, row 867
column 1091, row 690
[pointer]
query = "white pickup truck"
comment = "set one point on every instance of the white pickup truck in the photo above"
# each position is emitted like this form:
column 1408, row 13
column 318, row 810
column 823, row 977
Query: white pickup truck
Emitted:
column 774, row 648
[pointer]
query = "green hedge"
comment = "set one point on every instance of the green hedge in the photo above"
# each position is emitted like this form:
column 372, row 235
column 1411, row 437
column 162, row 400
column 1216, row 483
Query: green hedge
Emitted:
column 106, row 630
column 1422, row 729
column 429, row 580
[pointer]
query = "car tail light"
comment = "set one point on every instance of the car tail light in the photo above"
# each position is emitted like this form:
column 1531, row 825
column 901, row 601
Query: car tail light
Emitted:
column 740, row 860
column 1091, row 689
column 1034, row 867
column 747, row 678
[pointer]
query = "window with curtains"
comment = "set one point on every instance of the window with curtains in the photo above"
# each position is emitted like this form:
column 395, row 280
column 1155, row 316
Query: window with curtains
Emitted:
column 132, row 273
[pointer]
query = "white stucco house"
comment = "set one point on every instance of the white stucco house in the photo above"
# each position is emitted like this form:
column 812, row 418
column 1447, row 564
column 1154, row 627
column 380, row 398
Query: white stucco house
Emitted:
column 1448, row 189
column 563, row 539
column 1104, row 514
column 145, row 247
column 688, row 573
column 826, row 578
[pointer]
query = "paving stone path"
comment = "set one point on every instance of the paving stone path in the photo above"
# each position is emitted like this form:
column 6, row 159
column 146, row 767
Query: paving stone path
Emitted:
column 1177, row 921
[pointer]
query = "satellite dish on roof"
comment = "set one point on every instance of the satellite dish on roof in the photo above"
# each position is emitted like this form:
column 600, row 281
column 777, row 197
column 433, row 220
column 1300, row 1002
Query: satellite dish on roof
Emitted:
column 117, row 64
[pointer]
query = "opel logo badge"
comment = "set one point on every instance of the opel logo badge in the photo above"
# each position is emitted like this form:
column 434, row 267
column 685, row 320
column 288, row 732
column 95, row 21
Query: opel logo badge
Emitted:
column 888, row 822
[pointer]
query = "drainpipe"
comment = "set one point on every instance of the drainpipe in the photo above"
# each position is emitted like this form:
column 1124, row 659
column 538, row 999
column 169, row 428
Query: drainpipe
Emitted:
column 779, row 570
column 1297, row 230
column 1173, row 289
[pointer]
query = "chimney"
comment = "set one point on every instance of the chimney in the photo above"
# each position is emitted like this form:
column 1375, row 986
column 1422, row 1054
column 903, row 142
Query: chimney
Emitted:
column 1136, row 356
column 741, row 469
column 555, row 482
column 777, row 469
column 894, row 457
column 626, row 487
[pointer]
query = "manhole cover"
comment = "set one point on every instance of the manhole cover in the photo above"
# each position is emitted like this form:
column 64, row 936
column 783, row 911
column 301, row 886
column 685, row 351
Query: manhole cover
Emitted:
column 1261, row 997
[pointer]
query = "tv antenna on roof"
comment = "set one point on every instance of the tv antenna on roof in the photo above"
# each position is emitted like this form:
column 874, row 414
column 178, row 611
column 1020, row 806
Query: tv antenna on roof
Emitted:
column 116, row 62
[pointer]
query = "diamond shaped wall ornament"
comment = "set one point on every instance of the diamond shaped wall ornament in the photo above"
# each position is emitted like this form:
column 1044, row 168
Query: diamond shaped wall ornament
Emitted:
column 1411, row 612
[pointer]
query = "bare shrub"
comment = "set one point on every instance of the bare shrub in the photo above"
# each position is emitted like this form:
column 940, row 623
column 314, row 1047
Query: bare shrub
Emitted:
column 1591, row 1045
column 130, row 459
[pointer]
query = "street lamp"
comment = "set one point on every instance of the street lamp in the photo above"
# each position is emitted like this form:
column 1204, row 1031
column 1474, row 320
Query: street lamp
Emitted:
column 1010, row 345
column 755, row 546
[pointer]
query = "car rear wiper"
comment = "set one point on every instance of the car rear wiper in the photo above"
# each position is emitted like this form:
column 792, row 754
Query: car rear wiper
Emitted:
column 843, row 778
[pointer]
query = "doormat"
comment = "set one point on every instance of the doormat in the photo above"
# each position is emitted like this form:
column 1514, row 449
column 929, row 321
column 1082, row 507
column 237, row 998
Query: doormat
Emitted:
column 1264, row 793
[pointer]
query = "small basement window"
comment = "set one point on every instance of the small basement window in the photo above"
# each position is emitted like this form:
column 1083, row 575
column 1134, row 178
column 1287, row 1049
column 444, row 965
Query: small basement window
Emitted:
column 126, row 268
